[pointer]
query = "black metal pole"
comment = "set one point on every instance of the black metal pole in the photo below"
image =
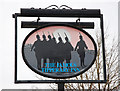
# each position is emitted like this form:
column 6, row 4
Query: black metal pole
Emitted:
column 103, row 46
column 15, row 48
column 60, row 86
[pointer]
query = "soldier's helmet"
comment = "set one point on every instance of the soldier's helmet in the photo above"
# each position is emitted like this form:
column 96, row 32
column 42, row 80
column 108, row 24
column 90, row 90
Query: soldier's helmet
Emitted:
column 49, row 36
column 60, row 39
column 37, row 36
column 81, row 37
column 66, row 38
column 44, row 37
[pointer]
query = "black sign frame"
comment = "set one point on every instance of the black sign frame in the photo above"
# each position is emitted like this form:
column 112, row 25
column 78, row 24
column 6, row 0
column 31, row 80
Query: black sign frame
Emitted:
column 86, row 13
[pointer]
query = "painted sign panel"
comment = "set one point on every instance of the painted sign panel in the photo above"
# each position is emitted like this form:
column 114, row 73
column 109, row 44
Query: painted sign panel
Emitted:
column 59, row 51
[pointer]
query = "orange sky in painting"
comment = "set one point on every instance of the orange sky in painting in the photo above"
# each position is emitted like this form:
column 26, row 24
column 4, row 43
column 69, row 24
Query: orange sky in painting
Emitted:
column 74, row 33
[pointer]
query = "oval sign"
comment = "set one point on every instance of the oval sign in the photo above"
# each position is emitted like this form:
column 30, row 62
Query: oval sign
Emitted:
column 59, row 51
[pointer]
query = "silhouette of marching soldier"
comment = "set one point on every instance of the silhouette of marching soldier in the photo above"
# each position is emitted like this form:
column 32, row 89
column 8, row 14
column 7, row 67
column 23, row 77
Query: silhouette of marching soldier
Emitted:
column 51, row 48
column 60, row 50
column 67, row 50
column 81, row 45
column 54, row 54
column 44, row 49
column 37, row 48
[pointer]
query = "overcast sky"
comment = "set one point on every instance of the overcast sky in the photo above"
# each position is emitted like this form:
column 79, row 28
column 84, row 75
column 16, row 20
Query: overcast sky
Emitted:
column 8, row 7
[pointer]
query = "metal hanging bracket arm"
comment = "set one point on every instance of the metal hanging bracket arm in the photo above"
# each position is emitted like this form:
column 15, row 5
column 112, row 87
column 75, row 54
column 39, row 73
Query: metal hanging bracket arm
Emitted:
column 28, row 12
column 30, row 24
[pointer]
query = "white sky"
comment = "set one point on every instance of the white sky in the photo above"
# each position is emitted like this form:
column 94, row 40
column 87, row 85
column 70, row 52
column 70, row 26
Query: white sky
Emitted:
column 108, row 8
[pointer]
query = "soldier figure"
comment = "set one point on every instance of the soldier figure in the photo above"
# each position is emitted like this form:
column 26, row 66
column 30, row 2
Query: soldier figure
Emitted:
column 60, row 50
column 38, row 52
column 67, row 50
column 50, row 49
column 54, row 54
column 81, row 45
column 44, row 50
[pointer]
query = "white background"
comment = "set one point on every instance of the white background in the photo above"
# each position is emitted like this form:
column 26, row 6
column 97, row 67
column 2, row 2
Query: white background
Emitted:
column 8, row 7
